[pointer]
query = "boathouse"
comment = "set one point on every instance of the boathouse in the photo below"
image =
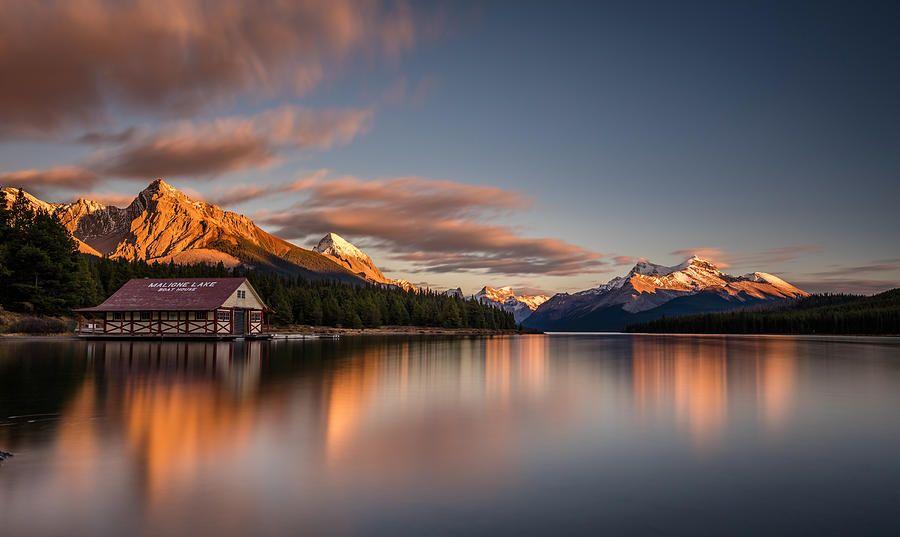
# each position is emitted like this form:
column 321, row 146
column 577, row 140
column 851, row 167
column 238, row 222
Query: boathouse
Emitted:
column 178, row 308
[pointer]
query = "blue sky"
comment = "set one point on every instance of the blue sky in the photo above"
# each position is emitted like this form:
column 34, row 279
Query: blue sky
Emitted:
column 508, row 143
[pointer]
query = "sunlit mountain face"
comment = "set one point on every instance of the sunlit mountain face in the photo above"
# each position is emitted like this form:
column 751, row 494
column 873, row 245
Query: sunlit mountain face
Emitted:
column 651, row 291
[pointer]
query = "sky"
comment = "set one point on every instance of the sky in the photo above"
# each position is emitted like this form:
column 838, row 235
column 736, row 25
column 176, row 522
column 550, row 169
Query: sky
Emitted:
column 542, row 145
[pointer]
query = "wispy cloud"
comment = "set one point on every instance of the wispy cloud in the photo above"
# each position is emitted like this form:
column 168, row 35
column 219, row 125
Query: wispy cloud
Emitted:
column 621, row 260
column 435, row 225
column 860, row 286
column 884, row 265
column 68, row 177
column 762, row 258
column 201, row 150
column 204, row 150
column 191, row 53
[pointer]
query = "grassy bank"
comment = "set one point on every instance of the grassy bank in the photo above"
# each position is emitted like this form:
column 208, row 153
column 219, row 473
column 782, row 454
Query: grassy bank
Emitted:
column 17, row 323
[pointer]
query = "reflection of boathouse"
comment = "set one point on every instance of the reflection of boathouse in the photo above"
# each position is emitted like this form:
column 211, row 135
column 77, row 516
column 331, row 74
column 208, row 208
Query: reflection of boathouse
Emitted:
column 189, row 307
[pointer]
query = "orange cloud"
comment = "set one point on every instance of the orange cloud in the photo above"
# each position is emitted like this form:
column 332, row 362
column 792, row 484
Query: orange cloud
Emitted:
column 68, row 177
column 437, row 226
column 227, row 144
column 752, row 259
column 178, row 56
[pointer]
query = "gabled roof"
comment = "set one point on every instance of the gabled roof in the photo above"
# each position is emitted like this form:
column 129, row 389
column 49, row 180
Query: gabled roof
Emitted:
column 170, row 294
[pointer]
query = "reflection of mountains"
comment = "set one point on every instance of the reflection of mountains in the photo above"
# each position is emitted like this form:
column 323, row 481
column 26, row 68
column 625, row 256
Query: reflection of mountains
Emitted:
column 172, row 418
column 692, row 377
column 365, row 410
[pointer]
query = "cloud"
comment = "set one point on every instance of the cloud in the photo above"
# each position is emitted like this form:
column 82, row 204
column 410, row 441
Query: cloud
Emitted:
column 223, row 145
column 620, row 260
column 104, row 137
column 716, row 255
column 761, row 258
column 854, row 278
column 436, row 226
column 177, row 56
column 68, row 177
column 244, row 193
column 885, row 265
column 860, row 286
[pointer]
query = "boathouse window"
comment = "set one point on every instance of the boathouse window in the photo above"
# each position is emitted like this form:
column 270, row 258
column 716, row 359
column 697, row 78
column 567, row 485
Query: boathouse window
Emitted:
column 118, row 316
column 255, row 316
column 223, row 316
column 145, row 315
column 199, row 315
column 242, row 294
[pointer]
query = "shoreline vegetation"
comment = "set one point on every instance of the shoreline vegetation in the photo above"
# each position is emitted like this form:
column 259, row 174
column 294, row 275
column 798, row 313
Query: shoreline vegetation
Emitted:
column 844, row 315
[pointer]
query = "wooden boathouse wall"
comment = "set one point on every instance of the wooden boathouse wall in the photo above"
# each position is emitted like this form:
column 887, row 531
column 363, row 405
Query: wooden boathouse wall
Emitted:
column 220, row 307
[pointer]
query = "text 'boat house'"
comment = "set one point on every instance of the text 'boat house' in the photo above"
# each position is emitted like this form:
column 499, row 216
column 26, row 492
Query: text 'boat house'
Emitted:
column 178, row 308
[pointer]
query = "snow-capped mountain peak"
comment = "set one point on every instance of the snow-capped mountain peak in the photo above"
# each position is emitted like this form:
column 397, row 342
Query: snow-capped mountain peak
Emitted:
column 351, row 257
column 334, row 244
column 521, row 306
column 355, row 260
column 649, row 286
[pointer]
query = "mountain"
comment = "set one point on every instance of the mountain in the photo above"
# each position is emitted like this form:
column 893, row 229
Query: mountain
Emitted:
column 356, row 261
column 521, row 306
column 163, row 224
column 349, row 256
column 651, row 291
column 458, row 293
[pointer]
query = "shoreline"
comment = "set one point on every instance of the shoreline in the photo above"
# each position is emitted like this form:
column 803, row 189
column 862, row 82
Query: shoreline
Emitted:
column 331, row 331
column 396, row 331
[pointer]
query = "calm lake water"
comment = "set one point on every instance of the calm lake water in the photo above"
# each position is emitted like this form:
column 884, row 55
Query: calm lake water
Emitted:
column 643, row 435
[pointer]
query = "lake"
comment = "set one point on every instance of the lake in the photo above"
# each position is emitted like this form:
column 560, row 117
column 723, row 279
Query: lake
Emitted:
column 553, row 435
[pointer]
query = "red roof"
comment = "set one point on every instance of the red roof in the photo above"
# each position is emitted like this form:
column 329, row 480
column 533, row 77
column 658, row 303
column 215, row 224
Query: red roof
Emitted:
column 170, row 294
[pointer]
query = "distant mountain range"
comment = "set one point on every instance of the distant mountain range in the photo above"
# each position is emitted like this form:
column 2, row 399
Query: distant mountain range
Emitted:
column 651, row 291
column 163, row 224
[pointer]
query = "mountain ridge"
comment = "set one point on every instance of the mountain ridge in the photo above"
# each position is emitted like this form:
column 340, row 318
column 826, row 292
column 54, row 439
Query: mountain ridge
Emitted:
column 163, row 224
column 649, row 291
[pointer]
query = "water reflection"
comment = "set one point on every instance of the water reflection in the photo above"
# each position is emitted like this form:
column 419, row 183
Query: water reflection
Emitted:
column 257, row 437
column 691, row 377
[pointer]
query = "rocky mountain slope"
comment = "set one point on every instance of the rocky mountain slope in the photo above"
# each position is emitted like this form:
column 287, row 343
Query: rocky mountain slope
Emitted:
column 356, row 261
column 651, row 291
column 164, row 224
column 521, row 306
column 349, row 256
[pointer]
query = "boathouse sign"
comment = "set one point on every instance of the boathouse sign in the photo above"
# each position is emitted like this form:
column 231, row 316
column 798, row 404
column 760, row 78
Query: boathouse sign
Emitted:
column 167, row 287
